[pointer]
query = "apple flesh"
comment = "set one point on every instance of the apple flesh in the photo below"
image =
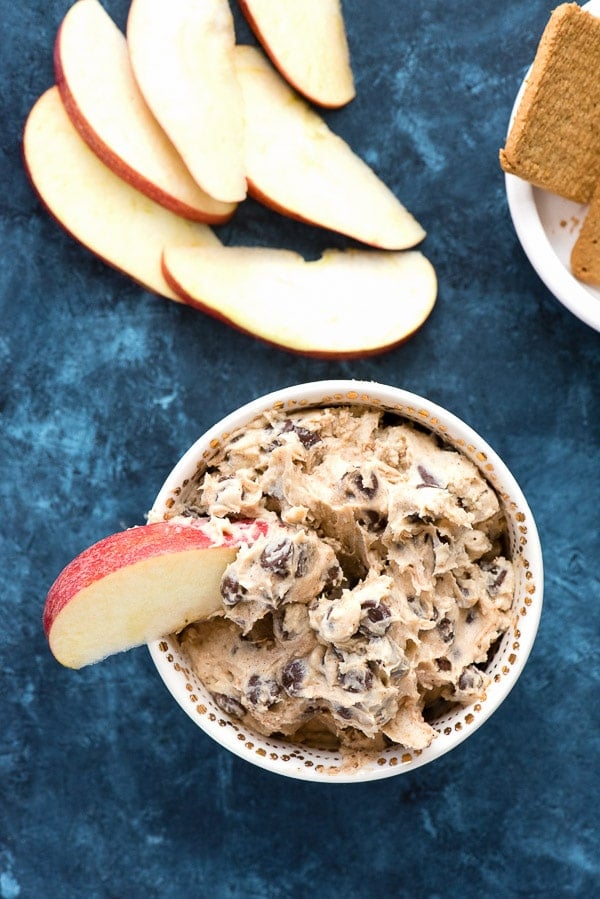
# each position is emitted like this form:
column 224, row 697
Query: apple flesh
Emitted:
column 101, row 96
column 139, row 585
column 348, row 303
column 307, row 43
column 181, row 53
column 297, row 166
column 103, row 212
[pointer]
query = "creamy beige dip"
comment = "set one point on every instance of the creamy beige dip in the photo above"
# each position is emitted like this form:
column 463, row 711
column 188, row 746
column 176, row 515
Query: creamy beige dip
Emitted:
column 377, row 595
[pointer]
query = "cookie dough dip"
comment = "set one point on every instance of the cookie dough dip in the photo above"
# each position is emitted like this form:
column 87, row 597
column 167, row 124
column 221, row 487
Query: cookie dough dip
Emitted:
column 379, row 593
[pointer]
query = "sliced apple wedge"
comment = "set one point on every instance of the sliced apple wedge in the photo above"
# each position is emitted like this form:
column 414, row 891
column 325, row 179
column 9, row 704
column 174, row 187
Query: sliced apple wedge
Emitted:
column 296, row 165
column 182, row 56
column 99, row 209
column 101, row 96
column 307, row 42
column 348, row 303
column 138, row 585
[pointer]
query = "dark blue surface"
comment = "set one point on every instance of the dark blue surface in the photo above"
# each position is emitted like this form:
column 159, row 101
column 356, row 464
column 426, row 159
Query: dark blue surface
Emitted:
column 106, row 788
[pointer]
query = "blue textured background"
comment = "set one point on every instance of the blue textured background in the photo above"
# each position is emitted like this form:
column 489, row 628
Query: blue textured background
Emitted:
column 106, row 788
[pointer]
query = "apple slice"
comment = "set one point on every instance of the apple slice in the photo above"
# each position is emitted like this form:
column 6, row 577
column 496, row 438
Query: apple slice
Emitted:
column 348, row 303
column 101, row 96
column 138, row 585
column 182, row 57
column 300, row 168
column 307, row 42
column 95, row 206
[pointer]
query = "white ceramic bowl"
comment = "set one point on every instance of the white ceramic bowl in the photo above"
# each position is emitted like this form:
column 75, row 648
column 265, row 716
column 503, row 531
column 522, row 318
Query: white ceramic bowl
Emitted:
column 547, row 227
column 304, row 763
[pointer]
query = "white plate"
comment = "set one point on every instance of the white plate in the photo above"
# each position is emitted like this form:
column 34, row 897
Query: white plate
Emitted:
column 547, row 227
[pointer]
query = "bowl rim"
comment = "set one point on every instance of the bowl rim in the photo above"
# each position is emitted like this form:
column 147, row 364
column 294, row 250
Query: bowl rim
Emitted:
column 185, row 688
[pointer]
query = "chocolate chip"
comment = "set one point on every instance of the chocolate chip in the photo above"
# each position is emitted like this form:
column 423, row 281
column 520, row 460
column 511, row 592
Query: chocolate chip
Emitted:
column 293, row 676
column 306, row 437
column 428, row 479
column 446, row 629
column 354, row 481
column 373, row 521
column 277, row 557
column 262, row 690
column 376, row 620
column 357, row 680
column 334, row 578
column 376, row 611
column 470, row 679
column 302, row 563
column 232, row 591
column 499, row 579
column 229, row 704
column 399, row 669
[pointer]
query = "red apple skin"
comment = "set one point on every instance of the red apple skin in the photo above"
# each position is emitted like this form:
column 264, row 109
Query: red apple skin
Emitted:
column 133, row 546
column 55, row 217
column 311, row 354
column 265, row 45
column 73, row 236
column 257, row 194
column 106, row 155
column 146, row 285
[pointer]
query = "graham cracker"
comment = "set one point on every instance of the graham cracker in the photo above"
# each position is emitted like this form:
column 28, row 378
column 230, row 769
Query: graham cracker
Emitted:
column 585, row 255
column 554, row 141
